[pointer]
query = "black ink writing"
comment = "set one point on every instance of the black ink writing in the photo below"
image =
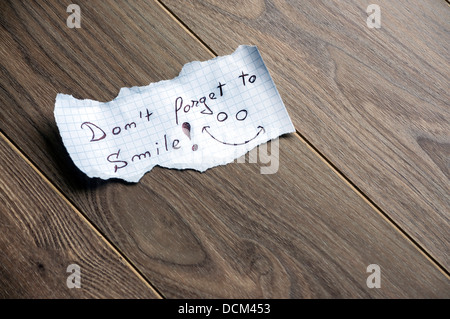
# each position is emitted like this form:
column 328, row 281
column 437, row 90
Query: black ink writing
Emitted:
column 147, row 115
column 220, row 87
column 202, row 102
column 252, row 78
column 95, row 131
column 117, row 130
column 175, row 144
column 222, row 116
column 147, row 154
column 207, row 110
column 242, row 116
column 124, row 163
column 99, row 134
column 141, row 155
column 181, row 108
column 260, row 130
column 188, row 107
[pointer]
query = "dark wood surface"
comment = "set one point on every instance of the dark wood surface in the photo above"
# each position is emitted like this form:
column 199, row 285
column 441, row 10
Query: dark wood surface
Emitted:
column 375, row 102
column 229, row 232
column 41, row 235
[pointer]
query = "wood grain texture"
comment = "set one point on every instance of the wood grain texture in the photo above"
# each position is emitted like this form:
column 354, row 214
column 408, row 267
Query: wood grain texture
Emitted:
column 375, row 102
column 229, row 232
column 41, row 235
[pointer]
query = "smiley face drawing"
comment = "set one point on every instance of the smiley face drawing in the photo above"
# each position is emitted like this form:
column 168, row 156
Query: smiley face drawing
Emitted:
column 240, row 116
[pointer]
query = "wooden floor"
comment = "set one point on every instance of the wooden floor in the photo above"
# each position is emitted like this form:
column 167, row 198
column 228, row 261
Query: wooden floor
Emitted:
column 364, row 180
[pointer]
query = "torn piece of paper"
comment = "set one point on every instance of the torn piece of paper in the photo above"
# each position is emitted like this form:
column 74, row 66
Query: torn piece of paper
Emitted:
column 211, row 114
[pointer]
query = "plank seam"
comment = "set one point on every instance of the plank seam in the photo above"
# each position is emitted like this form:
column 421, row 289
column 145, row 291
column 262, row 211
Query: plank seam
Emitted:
column 72, row 205
column 330, row 164
column 372, row 204
column 186, row 28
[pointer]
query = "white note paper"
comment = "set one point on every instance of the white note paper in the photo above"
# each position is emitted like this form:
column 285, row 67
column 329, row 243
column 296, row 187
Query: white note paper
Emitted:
column 211, row 114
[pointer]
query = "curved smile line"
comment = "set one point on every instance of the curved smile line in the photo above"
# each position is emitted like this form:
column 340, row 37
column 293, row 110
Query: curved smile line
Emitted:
column 261, row 129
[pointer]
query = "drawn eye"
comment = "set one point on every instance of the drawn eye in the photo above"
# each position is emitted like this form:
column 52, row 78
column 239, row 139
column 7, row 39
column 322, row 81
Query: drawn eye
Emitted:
column 222, row 116
column 241, row 115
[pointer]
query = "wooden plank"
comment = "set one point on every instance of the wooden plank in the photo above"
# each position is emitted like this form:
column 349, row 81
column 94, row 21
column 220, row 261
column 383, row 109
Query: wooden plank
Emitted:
column 230, row 232
column 41, row 236
column 375, row 102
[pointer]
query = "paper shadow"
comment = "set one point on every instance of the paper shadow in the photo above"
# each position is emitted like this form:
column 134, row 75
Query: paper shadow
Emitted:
column 64, row 167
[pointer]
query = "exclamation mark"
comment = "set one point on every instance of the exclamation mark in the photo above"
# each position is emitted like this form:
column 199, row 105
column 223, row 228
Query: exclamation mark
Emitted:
column 186, row 127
